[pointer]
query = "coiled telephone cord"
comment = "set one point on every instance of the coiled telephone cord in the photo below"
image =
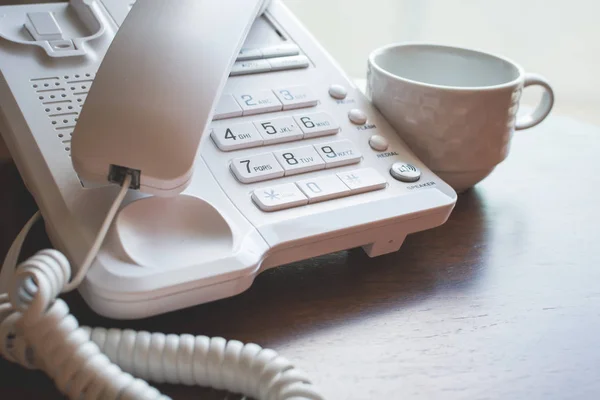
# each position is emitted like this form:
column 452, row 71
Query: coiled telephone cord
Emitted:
column 37, row 331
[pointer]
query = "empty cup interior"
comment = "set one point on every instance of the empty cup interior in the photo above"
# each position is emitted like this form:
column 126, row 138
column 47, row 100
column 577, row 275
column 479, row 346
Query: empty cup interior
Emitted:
column 445, row 66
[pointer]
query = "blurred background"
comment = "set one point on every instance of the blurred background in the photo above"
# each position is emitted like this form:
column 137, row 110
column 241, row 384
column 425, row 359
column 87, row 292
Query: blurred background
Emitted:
column 555, row 38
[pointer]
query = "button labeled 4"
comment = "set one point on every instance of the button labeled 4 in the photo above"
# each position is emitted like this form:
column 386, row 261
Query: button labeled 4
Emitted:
column 236, row 136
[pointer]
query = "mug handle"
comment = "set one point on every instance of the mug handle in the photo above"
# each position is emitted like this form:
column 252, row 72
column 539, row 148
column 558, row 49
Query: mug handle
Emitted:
column 543, row 109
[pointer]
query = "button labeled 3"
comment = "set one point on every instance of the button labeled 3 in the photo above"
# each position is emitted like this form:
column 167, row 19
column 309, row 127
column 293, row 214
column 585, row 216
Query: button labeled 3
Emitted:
column 279, row 197
column 296, row 97
column 338, row 153
column 236, row 136
column 323, row 188
column 278, row 130
column 256, row 168
column 300, row 160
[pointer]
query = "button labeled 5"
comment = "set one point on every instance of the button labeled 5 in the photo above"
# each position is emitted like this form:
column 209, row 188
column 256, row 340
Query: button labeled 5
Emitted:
column 256, row 168
column 236, row 136
column 278, row 130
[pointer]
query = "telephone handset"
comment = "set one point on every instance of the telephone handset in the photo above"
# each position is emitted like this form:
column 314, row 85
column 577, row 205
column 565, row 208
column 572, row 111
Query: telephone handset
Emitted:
column 156, row 90
column 290, row 160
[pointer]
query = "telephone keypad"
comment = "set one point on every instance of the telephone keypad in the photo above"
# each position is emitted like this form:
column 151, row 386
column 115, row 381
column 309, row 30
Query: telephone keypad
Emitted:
column 256, row 168
column 261, row 101
column 338, row 153
column 278, row 130
column 236, row 136
column 317, row 124
column 296, row 97
column 300, row 160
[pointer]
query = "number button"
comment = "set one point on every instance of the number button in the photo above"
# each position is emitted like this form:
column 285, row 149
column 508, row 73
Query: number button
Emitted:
column 279, row 197
column 279, row 130
column 256, row 168
column 296, row 97
column 227, row 108
column 236, row 136
column 261, row 101
column 336, row 154
column 300, row 160
column 323, row 188
column 317, row 124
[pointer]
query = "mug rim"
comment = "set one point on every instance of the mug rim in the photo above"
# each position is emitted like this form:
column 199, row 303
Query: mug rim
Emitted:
column 390, row 46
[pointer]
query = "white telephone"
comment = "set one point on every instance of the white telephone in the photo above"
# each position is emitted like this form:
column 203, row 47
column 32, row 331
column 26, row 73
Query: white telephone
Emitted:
column 238, row 144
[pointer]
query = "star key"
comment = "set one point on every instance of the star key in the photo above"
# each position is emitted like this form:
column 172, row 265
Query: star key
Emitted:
column 279, row 197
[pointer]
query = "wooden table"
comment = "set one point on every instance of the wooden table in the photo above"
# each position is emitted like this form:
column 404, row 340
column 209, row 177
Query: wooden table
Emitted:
column 503, row 301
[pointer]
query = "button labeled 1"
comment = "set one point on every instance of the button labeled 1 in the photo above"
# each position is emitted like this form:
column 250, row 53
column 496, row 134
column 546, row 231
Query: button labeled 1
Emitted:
column 278, row 130
column 256, row 168
column 227, row 108
column 323, row 188
column 317, row 124
column 336, row 154
column 261, row 101
column 236, row 136
column 279, row 197
column 300, row 160
column 296, row 97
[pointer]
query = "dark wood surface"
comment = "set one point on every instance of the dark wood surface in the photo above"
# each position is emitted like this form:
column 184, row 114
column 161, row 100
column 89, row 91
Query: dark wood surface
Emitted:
column 503, row 301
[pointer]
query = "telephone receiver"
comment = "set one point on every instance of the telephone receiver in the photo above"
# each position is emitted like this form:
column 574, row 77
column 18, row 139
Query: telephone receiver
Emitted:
column 156, row 90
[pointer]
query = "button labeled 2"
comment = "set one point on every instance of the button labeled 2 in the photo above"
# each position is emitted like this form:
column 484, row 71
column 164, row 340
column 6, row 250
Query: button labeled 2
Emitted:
column 256, row 168
column 278, row 130
column 260, row 101
column 317, row 124
column 300, row 160
column 296, row 97
column 236, row 136
column 338, row 153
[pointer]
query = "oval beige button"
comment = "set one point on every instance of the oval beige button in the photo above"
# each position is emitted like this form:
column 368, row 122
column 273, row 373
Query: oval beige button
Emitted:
column 378, row 142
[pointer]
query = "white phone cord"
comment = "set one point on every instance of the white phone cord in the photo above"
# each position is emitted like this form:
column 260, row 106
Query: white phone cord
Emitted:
column 38, row 332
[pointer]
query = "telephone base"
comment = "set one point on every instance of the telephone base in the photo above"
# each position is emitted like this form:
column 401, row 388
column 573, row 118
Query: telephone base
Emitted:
column 284, row 174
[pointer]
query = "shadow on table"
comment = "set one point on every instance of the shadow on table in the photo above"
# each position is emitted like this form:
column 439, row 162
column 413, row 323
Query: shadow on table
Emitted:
column 303, row 297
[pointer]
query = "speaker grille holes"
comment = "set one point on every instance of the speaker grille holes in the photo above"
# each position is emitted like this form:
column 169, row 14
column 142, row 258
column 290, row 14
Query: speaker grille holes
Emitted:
column 58, row 96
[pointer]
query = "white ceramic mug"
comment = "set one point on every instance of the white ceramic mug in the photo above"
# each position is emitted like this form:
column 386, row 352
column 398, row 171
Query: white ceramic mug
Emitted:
column 454, row 107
